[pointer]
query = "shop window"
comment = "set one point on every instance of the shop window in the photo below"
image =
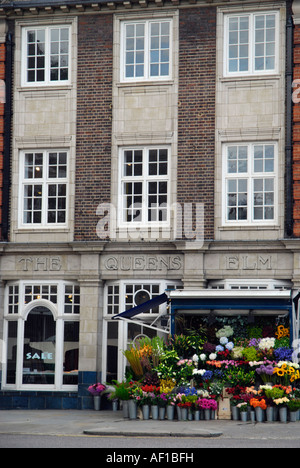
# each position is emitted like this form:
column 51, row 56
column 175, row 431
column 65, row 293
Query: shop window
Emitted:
column 72, row 299
column 39, row 347
column 112, row 351
column 41, row 330
column 118, row 334
column 71, row 353
column 12, row 352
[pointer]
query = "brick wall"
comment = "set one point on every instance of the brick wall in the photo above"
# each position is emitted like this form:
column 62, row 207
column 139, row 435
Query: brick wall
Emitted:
column 296, row 136
column 196, row 116
column 196, row 112
column 93, row 152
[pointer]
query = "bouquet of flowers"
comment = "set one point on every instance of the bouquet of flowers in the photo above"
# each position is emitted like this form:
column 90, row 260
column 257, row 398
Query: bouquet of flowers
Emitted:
column 162, row 400
column 207, row 403
column 97, row 389
column 243, row 407
column 281, row 401
column 265, row 372
column 258, row 403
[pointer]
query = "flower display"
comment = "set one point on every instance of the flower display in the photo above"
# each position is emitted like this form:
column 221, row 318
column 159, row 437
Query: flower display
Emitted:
column 254, row 369
column 266, row 343
column 97, row 389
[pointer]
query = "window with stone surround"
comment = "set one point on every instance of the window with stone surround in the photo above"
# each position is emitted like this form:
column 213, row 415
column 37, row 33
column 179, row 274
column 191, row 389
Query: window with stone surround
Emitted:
column 146, row 50
column 250, row 184
column 46, row 55
column 144, row 186
column 251, row 43
column 41, row 332
column 43, row 197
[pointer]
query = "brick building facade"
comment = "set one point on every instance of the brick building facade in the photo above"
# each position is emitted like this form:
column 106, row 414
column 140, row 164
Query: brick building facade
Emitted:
column 148, row 154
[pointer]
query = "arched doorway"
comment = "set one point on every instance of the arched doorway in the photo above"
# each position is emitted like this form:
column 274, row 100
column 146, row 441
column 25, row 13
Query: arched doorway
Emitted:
column 39, row 347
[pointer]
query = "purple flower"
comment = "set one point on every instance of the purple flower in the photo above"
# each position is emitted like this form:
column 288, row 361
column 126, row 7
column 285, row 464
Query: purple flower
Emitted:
column 283, row 354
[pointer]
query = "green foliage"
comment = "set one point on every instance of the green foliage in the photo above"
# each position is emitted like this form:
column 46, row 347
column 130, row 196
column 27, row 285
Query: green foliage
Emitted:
column 250, row 354
column 121, row 390
column 186, row 346
column 274, row 392
column 255, row 332
column 294, row 405
column 238, row 376
column 282, row 342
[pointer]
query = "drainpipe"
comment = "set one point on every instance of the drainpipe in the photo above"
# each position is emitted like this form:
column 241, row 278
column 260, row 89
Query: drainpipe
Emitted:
column 7, row 137
column 289, row 128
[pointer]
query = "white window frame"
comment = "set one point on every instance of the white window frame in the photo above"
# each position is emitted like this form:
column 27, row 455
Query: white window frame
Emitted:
column 60, row 317
column 251, row 57
column 122, row 324
column 144, row 179
column 247, row 284
column 47, row 67
column 147, row 74
column 45, row 181
column 250, row 175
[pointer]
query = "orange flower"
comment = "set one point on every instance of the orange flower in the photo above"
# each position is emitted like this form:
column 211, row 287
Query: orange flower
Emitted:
column 258, row 403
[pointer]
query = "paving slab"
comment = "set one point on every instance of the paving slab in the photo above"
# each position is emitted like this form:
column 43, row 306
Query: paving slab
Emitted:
column 109, row 423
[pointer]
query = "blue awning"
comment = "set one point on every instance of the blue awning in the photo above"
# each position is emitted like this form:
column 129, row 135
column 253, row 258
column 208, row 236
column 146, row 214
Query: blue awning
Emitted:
column 143, row 308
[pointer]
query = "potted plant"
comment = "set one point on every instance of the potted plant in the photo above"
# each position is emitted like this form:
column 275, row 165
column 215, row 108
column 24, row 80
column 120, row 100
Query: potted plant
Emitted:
column 171, row 403
column 162, row 403
column 243, row 407
column 282, row 405
column 293, row 406
column 122, row 393
column 97, row 390
column 260, row 406
column 144, row 400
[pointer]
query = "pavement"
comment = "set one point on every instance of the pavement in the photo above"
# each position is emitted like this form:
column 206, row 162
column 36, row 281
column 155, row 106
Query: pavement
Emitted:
column 109, row 423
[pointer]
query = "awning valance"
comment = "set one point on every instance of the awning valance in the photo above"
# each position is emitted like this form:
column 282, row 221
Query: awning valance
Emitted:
column 230, row 302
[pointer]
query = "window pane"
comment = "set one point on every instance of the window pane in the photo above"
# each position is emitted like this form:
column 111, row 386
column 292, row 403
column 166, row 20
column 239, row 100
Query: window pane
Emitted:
column 71, row 353
column 112, row 351
column 237, row 159
column 264, row 199
column 35, row 55
column 237, row 200
column 11, row 352
column 39, row 347
column 159, row 49
column 265, row 42
column 59, row 50
column 134, row 50
column 238, row 44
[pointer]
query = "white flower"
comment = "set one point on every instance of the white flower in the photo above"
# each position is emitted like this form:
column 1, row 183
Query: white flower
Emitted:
column 266, row 343
column 195, row 358
column 199, row 372
column 212, row 356
column 203, row 357
column 223, row 340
